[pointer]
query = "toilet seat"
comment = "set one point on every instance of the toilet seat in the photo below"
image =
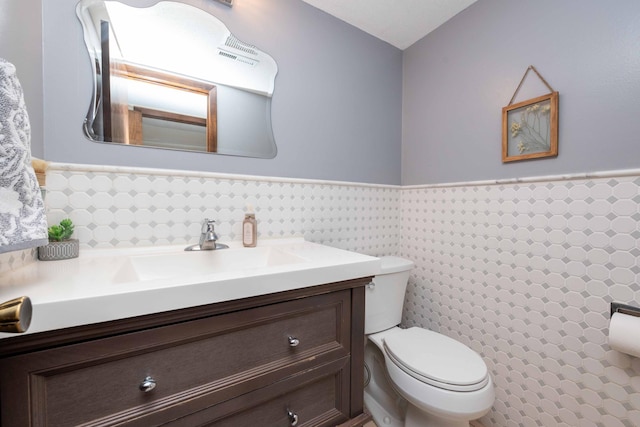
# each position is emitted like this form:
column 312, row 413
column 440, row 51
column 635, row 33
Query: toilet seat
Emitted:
column 436, row 359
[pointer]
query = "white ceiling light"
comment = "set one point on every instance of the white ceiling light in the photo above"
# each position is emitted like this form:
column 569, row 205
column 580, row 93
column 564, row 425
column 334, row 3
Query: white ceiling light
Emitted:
column 400, row 23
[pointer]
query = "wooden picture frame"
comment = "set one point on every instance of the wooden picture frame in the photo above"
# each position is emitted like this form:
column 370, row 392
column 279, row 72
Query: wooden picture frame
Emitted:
column 530, row 129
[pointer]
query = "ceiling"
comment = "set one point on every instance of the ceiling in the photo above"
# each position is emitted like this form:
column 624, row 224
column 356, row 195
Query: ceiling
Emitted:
column 400, row 23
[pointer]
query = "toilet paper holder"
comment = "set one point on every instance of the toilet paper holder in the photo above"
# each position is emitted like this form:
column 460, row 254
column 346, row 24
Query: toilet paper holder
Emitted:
column 617, row 307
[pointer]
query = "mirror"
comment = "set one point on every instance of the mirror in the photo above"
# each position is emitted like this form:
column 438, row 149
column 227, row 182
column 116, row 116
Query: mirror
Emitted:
column 173, row 76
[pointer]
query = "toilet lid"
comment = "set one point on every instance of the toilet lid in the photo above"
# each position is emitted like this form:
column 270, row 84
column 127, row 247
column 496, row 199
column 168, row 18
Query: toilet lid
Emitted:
column 437, row 359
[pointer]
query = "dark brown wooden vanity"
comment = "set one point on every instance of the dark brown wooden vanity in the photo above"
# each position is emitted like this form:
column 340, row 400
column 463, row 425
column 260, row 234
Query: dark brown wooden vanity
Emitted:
column 290, row 358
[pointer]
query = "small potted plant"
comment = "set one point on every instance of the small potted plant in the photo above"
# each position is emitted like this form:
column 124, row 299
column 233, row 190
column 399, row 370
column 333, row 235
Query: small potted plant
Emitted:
column 61, row 245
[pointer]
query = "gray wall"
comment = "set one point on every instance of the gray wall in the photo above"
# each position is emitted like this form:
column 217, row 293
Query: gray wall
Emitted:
column 336, row 107
column 21, row 44
column 458, row 78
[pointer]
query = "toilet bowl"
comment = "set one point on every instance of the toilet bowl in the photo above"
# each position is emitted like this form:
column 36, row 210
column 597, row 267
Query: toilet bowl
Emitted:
column 417, row 377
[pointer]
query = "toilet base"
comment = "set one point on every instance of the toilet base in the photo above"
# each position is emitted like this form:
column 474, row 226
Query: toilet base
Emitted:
column 380, row 414
column 417, row 418
column 385, row 406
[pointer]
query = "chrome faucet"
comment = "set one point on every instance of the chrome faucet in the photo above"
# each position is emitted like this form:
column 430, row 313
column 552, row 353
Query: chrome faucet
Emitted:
column 208, row 238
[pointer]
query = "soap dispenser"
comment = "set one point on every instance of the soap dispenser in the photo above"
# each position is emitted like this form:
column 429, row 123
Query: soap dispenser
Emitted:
column 249, row 229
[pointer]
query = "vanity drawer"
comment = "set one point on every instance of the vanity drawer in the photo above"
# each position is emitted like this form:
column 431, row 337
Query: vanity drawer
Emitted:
column 317, row 398
column 195, row 364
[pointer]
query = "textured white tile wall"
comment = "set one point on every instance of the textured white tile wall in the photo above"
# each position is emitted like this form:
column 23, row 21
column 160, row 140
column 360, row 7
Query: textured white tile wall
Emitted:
column 13, row 260
column 524, row 273
column 116, row 207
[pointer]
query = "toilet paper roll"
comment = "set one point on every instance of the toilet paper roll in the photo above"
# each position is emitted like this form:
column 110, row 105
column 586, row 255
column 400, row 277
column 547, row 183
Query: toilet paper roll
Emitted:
column 624, row 334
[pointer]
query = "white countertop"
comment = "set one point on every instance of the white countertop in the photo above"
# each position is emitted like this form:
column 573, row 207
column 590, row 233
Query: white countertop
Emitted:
column 109, row 284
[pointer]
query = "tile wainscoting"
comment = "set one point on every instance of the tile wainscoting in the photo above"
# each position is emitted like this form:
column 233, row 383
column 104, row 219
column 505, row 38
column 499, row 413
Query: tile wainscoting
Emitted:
column 522, row 271
column 123, row 207
column 13, row 260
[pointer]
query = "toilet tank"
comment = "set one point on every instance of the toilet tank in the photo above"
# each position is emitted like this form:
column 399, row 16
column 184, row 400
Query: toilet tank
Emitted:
column 385, row 297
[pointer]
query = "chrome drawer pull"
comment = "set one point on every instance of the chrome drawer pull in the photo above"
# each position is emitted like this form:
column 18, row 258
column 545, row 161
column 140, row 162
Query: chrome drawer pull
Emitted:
column 293, row 342
column 148, row 384
column 293, row 418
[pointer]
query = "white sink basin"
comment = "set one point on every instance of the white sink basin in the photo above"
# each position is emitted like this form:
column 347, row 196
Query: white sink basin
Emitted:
column 169, row 265
column 109, row 284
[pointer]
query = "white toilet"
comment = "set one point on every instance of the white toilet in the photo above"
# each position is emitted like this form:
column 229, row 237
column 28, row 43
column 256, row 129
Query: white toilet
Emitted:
column 416, row 377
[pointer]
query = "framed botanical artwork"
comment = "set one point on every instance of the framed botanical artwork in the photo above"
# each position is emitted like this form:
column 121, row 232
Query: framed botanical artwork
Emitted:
column 530, row 129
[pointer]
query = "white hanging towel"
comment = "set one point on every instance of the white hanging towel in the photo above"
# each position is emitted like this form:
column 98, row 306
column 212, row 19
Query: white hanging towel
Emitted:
column 23, row 223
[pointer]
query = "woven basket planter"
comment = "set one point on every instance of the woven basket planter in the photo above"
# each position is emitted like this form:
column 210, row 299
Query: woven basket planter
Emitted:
column 59, row 250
